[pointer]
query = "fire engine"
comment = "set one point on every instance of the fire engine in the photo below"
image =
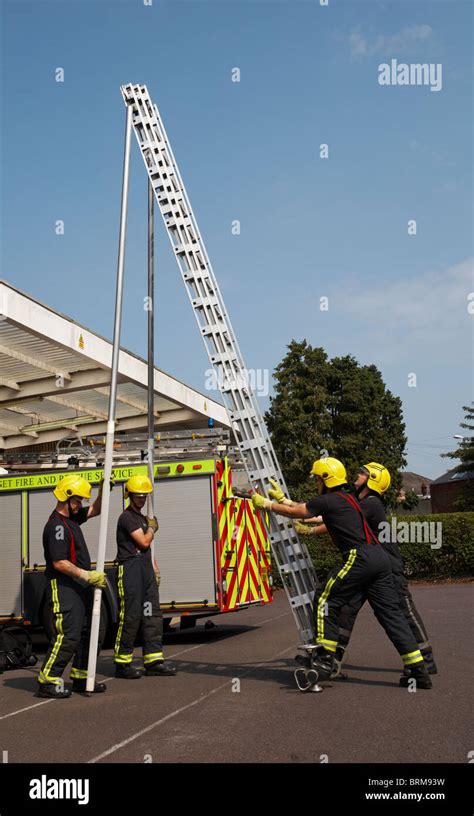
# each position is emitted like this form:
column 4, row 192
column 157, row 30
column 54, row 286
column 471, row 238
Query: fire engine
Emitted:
column 212, row 547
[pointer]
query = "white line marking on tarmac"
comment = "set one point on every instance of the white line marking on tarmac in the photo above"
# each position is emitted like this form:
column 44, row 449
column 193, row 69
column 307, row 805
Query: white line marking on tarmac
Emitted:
column 109, row 679
column 175, row 713
column 191, row 648
column 28, row 708
column 267, row 620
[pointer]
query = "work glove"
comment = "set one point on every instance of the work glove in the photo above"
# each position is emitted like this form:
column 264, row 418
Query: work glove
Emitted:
column 152, row 522
column 92, row 578
column 303, row 529
column 276, row 493
column 260, row 502
column 97, row 579
column 158, row 576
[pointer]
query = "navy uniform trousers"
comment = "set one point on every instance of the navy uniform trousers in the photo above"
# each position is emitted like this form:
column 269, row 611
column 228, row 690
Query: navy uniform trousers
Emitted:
column 406, row 605
column 365, row 575
column 139, row 604
column 72, row 612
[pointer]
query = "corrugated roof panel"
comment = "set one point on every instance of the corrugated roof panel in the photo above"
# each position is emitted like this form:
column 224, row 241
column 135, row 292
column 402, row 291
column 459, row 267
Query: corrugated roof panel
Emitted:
column 59, row 358
column 54, row 344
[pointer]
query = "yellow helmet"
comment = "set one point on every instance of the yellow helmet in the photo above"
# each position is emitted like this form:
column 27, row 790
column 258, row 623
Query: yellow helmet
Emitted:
column 379, row 477
column 72, row 485
column 138, row 484
column 332, row 471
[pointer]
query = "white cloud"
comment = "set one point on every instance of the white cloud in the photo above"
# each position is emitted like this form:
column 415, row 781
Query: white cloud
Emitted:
column 426, row 310
column 388, row 45
column 438, row 158
column 359, row 45
column 442, row 159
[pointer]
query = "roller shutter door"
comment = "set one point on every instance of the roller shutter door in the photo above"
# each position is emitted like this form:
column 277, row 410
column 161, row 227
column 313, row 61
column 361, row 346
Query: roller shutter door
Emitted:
column 184, row 543
column 10, row 555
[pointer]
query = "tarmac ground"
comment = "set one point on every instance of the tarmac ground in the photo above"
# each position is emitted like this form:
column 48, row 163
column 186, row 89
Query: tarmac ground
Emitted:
column 235, row 700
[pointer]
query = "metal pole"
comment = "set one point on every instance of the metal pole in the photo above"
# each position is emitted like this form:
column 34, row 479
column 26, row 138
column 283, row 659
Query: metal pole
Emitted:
column 104, row 518
column 151, row 350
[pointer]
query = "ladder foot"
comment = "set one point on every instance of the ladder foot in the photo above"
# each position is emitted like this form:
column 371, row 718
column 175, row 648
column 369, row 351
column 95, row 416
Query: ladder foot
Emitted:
column 307, row 680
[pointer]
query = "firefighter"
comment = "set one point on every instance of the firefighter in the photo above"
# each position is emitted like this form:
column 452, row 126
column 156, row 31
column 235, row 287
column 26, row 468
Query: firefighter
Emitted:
column 366, row 571
column 373, row 480
column 70, row 585
column 138, row 581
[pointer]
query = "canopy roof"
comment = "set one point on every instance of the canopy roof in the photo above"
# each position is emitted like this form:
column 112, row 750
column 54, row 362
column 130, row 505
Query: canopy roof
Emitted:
column 55, row 376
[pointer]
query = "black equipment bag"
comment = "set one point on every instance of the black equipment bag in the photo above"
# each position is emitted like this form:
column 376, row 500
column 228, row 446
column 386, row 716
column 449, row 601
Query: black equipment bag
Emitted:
column 16, row 648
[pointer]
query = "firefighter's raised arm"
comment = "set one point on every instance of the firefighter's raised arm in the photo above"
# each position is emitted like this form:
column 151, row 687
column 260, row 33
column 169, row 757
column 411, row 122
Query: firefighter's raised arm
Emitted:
column 296, row 511
column 141, row 539
column 95, row 508
column 277, row 495
column 310, row 529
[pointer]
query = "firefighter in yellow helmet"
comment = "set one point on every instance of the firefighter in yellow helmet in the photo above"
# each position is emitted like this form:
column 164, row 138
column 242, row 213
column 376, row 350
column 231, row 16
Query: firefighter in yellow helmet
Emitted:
column 373, row 480
column 70, row 585
column 138, row 588
column 366, row 571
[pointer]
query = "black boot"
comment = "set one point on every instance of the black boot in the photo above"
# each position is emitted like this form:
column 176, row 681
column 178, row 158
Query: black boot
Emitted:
column 54, row 690
column 323, row 662
column 303, row 660
column 127, row 672
column 79, row 686
column 159, row 668
column 418, row 673
column 430, row 663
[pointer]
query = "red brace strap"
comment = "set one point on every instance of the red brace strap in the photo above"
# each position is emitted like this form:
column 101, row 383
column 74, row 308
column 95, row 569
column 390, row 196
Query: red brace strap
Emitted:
column 367, row 530
column 72, row 553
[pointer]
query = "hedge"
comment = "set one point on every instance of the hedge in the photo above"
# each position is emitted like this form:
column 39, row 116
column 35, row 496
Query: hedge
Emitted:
column 454, row 558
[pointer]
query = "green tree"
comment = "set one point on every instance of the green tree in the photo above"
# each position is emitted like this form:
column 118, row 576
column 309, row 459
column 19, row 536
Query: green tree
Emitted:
column 411, row 500
column 299, row 419
column 336, row 408
column 465, row 454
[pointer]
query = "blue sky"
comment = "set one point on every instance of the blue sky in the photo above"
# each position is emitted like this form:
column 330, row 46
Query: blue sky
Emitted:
column 250, row 151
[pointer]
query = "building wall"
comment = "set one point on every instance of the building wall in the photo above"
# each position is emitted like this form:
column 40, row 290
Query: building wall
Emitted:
column 444, row 496
column 423, row 508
